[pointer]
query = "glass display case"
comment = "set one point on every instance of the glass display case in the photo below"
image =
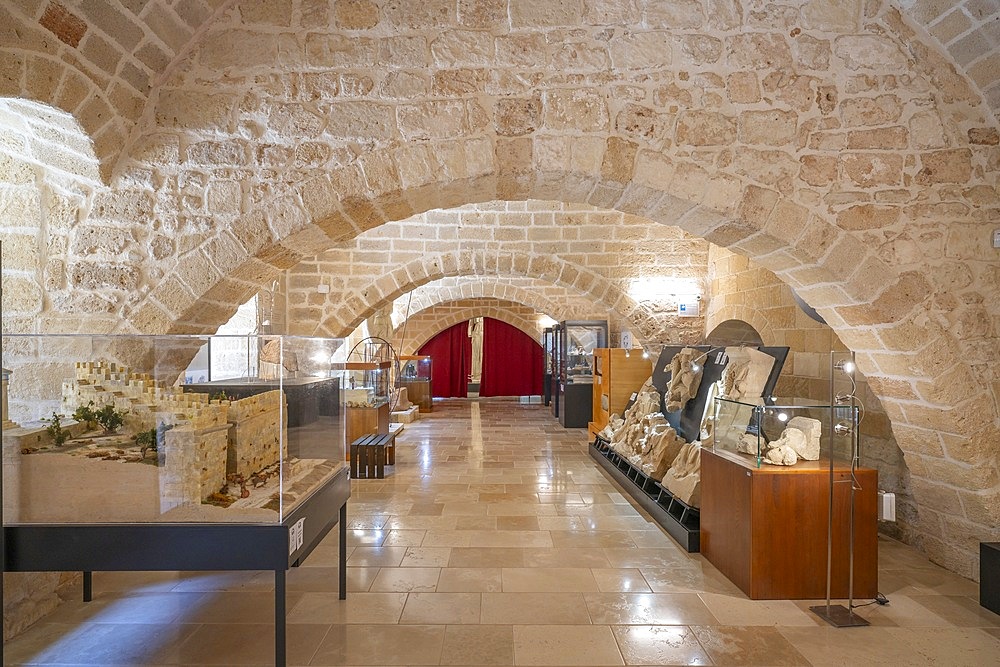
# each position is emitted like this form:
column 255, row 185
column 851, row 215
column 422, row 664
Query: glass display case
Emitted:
column 112, row 463
column 415, row 375
column 548, row 343
column 366, row 397
column 790, row 433
column 102, row 429
column 578, row 340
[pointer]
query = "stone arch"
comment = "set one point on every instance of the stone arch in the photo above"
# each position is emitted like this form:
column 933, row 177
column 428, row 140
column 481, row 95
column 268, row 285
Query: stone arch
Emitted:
column 734, row 331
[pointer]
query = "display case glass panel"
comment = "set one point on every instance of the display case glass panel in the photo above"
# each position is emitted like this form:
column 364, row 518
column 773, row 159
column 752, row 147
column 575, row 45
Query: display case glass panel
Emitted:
column 415, row 368
column 104, row 429
column 579, row 340
column 791, row 433
column 366, row 383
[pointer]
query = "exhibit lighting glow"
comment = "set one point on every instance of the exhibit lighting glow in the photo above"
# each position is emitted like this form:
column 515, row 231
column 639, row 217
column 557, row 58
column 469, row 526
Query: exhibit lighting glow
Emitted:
column 695, row 368
column 645, row 354
column 782, row 416
column 545, row 321
column 321, row 358
column 662, row 288
column 847, row 366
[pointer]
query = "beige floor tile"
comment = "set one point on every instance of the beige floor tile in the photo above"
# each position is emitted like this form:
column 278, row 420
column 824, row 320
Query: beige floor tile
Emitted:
column 155, row 608
column 442, row 608
column 404, row 538
column 475, row 522
column 478, row 645
column 648, row 609
column 470, row 580
column 237, row 608
column 534, row 608
column 827, row 646
column 510, row 538
column 645, row 558
column 517, row 523
column 901, row 611
column 548, row 580
column 659, row 645
column 365, row 538
column 99, row 644
column 620, row 580
column 959, row 610
column 683, row 579
column 426, row 557
column 738, row 610
column 566, row 557
column 364, row 608
column 565, row 645
column 359, row 579
column 951, row 646
column 327, row 554
column 376, row 557
column 381, row 645
column 486, row 557
column 447, row 538
column 218, row 644
column 607, row 539
column 406, row 580
column 736, row 645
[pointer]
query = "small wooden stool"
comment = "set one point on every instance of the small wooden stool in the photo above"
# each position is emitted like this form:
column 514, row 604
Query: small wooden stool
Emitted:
column 371, row 453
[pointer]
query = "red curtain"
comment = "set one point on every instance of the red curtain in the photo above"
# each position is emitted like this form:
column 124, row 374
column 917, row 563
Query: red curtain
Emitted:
column 451, row 360
column 513, row 363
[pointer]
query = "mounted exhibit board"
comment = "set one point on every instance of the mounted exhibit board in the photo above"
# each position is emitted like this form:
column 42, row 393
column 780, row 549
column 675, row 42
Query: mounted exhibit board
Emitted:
column 713, row 361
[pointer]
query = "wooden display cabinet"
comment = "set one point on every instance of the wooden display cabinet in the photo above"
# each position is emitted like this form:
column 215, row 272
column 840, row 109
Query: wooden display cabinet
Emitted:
column 618, row 374
column 766, row 528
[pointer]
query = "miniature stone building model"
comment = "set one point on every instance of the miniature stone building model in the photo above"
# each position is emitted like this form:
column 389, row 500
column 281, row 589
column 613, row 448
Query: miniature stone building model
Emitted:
column 206, row 439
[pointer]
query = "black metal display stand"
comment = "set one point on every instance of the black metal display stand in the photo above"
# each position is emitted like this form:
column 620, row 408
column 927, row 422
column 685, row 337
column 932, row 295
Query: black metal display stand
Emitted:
column 676, row 517
column 195, row 546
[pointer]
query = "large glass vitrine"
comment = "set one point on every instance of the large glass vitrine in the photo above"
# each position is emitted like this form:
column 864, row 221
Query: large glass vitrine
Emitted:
column 577, row 340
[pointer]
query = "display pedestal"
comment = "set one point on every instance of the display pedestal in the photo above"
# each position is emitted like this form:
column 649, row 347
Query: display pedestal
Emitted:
column 766, row 528
column 989, row 576
column 419, row 393
column 576, row 405
column 151, row 547
column 676, row 517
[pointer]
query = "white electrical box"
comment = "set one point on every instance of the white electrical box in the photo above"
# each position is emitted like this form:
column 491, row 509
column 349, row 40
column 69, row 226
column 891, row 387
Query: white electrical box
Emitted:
column 886, row 506
column 323, row 288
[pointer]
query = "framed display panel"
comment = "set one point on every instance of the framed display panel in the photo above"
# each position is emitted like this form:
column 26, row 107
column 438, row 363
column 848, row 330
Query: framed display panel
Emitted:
column 415, row 375
column 103, row 447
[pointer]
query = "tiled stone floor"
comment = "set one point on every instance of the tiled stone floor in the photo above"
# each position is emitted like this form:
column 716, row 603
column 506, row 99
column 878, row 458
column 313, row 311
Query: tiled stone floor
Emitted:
column 496, row 541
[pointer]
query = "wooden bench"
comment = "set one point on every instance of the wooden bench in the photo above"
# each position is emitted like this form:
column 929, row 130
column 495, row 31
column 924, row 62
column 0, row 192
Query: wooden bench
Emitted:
column 371, row 453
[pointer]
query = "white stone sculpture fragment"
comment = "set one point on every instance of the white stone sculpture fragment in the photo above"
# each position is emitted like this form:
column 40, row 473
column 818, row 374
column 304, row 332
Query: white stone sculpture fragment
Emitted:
column 683, row 479
column 811, row 430
column 684, row 378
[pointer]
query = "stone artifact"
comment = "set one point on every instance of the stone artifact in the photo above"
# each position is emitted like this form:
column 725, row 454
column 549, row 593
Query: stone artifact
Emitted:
column 811, row 430
column 683, row 479
column 664, row 446
column 400, row 400
column 476, row 335
column 745, row 375
column 684, row 379
column 799, row 440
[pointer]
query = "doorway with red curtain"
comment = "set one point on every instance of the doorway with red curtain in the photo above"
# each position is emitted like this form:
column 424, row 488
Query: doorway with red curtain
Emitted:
column 513, row 362
column 451, row 360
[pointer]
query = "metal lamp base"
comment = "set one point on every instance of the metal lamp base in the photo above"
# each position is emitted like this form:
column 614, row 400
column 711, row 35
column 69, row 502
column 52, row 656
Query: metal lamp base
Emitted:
column 839, row 616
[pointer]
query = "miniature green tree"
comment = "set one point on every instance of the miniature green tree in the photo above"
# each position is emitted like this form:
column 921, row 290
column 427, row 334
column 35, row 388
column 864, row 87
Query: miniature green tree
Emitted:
column 109, row 418
column 59, row 434
column 85, row 415
column 146, row 439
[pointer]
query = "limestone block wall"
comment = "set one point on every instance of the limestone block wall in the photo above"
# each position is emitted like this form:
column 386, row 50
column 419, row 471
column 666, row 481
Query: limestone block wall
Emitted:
column 745, row 291
column 584, row 248
column 258, row 433
column 193, row 464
